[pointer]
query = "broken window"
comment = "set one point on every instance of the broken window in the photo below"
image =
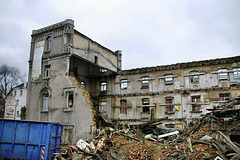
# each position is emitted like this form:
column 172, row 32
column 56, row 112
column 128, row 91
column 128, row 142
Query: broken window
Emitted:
column 103, row 86
column 194, row 78
column 48, row 43
column 103, row 107
column 123, row 83
column 145, row 109
column 45, row 101
column 169, row 104
column 168, row 79
column 83, row 84
column 196, row 106
column 222, row 74
column 236, row 73
column 123, row 107
column 224, row 97
column 47, row 71
column 69, row 97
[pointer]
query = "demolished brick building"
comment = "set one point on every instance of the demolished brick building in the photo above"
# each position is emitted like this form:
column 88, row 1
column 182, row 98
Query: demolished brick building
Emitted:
column 64, row 64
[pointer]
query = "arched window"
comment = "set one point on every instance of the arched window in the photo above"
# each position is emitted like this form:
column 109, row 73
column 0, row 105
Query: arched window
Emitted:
column 48, row 43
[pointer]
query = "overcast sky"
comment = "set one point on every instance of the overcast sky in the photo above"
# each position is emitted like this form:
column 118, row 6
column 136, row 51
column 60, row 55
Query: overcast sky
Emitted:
column 149, row 32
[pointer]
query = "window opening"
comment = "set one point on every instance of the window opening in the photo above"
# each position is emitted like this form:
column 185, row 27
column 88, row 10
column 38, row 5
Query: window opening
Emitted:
column 95, row 59
column 168, row 79
column 47, row 71
column 69, row 99
column 18, row 114
column 103, row 107
column 194, row 78
column 196, row 106
column 83, row 84
column 123, row 83
column 224, row 97
column 170, row 106
column 21, row 92
column 145, row 109
column 45, row 102
column 123, row 107
column 236, row 73
column 102, row 70
column 15, row 93
column 145, row 82
column 103, row 86
column 48, row 43
column 222, row 75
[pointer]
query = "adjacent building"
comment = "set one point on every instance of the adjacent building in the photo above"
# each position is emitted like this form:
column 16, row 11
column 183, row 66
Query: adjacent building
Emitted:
column 15, row 101
column 73, row 80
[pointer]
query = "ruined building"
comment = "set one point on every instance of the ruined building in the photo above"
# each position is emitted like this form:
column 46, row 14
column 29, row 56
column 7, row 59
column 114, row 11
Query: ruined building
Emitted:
column 73, row 78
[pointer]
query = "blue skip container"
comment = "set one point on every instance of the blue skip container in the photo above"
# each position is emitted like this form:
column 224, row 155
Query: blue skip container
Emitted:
column 29, row 139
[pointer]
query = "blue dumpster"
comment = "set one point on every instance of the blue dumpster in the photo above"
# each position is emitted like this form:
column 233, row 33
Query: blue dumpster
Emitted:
column 29, row 139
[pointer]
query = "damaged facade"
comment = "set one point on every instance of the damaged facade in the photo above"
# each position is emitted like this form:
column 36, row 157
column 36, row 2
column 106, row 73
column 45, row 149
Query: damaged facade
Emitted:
column 180, row 92
column 72, row 78
column 62, row 64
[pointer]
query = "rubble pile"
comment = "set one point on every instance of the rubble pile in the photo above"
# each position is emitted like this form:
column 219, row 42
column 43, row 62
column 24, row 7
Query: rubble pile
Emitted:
column 202, row 140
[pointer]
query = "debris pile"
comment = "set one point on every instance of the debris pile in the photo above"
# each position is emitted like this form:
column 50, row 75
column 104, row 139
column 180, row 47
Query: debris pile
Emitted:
column 204, row 140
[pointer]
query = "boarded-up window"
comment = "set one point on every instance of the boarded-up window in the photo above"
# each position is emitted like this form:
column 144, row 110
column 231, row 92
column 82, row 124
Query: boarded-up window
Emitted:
column 123, row 107
column 169, row 104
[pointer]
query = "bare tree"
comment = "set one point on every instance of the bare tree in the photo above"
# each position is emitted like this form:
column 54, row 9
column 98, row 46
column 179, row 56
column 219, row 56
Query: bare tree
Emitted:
column 9, row 77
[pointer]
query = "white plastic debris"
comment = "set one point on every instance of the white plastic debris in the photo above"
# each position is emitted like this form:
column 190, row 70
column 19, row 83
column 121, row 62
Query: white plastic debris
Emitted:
column 168, row 134
column 206, row 138
column 84, row 146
